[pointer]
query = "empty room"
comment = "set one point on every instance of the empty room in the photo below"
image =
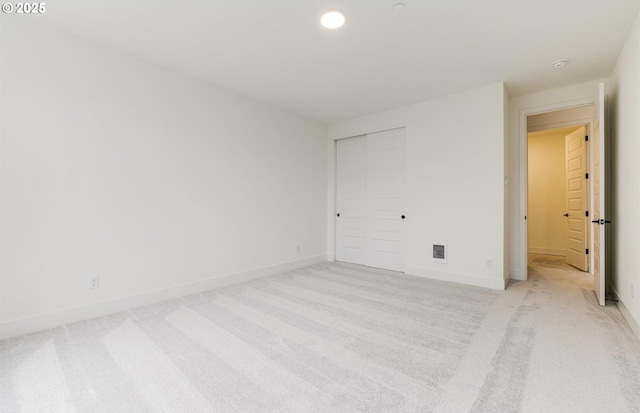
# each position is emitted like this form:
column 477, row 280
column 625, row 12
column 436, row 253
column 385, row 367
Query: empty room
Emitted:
column 320, row 206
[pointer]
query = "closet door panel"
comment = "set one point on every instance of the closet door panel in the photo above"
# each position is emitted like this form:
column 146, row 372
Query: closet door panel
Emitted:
column 351, row 194
column 385, row 177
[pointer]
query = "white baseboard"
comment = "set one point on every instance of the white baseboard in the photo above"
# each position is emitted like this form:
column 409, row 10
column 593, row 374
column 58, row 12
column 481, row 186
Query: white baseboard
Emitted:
column 633, row 323
column 547, row 251
column 39, row 322
column 478, row 281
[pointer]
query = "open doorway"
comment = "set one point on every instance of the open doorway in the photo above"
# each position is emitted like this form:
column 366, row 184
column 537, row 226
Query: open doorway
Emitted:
column 558, row 194
column 591, row 112
column 557, row 224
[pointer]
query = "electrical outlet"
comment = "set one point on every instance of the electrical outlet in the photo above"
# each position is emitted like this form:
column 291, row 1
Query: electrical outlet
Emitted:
column 94, row 283
column 297, row 248
column 489, row 263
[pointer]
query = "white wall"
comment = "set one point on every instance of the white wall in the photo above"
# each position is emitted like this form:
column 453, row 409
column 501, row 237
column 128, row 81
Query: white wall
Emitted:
column 559, row 118
column 454, row 182
column 624, row 98
column 547, row 200
column 555, row 99
column 117, row 168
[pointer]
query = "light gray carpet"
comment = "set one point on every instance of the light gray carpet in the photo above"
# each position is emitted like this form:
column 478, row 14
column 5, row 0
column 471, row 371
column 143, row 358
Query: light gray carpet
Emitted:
column 339, row 338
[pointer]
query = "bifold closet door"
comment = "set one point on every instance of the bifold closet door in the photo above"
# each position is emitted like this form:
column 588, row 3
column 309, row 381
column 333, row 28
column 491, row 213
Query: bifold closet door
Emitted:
column 369, row 200
column 351, row 193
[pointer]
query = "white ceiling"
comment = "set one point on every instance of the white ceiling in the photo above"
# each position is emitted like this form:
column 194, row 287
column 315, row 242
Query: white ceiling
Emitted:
column 277, row 52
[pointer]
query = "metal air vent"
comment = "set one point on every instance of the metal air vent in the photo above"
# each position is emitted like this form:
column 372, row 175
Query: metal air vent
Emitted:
column 440, row 253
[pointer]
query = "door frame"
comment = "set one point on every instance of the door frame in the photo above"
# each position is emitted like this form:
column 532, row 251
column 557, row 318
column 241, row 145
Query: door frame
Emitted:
column 524, row 172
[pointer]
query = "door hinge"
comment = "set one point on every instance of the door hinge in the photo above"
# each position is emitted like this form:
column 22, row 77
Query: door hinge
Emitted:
column 587, row 212
column 587, row 251
column 586, row 138
column 586, row 176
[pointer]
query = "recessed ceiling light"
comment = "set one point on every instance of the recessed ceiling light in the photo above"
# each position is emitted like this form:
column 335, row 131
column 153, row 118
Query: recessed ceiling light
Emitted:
column 333, row 19
column 398, row 7
column 559, row 63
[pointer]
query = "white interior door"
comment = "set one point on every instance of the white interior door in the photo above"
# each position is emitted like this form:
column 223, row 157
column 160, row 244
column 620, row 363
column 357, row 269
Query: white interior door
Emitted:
column 599, row 179
column 351, row 193
column 385, row 159
column 576, row 185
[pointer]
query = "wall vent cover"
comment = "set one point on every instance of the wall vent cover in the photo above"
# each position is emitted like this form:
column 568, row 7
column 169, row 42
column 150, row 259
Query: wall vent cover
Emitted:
column 440, row 253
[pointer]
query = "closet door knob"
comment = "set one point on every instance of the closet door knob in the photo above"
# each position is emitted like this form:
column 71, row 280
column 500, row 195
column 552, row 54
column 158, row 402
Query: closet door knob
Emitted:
column 338, row 215
column 402, row 217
